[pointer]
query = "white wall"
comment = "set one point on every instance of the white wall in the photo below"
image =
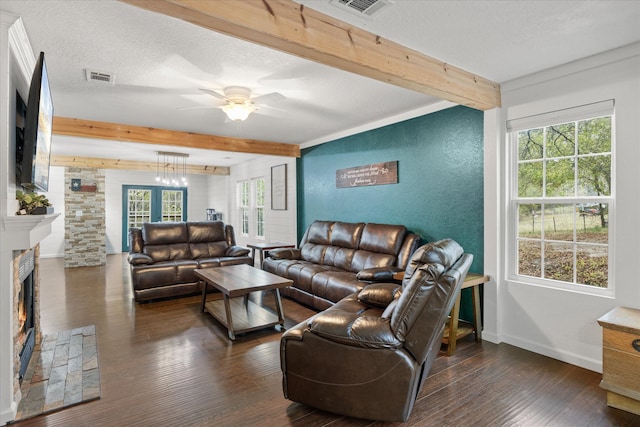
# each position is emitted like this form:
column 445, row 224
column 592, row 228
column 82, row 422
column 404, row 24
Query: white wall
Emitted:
column 280, row 225
column 559, row 323
column 53, row 245
column 218, row 194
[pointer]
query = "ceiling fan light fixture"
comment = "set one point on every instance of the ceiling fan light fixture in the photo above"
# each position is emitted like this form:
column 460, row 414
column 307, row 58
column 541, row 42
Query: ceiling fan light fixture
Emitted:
column 238, row 111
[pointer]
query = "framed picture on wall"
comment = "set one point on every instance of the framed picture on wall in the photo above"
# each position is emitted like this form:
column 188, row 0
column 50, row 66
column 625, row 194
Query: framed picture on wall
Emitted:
column 279, row 188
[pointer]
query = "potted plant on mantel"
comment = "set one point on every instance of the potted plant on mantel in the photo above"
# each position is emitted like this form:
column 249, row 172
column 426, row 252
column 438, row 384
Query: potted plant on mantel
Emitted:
column 33, row 204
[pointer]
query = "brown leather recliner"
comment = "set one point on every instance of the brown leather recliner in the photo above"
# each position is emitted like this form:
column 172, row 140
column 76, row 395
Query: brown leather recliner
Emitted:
column 368, row 355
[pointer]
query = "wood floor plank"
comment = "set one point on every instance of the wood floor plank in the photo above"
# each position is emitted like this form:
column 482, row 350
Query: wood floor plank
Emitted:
column 167, row 364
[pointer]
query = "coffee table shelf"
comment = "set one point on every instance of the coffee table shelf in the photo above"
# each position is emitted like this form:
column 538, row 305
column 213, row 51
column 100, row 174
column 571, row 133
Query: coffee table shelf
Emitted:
column 235, row 311
column 244, row 318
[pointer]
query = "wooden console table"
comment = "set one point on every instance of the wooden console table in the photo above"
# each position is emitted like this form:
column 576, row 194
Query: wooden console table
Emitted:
column 265, row 247
column 458, row 328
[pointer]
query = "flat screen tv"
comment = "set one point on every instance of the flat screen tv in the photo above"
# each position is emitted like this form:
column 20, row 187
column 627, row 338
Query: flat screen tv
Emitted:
column 32, row 159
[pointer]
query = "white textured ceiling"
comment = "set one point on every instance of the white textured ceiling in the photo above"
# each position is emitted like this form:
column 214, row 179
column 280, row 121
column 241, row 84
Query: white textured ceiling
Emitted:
column 160, row 63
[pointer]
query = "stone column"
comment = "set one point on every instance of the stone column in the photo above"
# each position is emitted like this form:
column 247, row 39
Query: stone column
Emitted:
column 85, row 233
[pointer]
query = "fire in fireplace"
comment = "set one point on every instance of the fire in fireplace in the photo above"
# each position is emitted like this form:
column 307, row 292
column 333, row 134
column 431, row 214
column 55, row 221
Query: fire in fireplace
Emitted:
column 26, row 310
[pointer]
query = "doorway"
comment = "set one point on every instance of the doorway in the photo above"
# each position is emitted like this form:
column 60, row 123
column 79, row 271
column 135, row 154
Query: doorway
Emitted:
column 149, row 203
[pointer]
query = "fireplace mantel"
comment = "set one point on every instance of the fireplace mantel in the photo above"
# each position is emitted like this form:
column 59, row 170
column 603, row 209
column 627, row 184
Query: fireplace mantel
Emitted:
column 26, row 231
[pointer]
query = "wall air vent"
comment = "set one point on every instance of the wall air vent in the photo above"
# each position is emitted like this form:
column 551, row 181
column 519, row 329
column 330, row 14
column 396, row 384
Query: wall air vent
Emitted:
column 96, row 76
column 361, row 7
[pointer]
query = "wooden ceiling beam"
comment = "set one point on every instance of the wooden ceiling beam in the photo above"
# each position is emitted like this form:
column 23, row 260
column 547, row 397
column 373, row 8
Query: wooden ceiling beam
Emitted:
column 132, row 165
column 147, row 135
column 291, row 28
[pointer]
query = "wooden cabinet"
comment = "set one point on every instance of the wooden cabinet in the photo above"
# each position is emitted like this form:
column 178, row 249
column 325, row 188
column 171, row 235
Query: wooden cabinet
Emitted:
column 621, row 358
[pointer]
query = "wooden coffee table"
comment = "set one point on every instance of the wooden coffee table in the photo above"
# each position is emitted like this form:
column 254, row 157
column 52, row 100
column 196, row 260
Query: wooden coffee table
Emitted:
column 239, row 314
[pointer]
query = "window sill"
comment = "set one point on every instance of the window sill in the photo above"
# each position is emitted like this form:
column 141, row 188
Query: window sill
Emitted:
column 561, row 286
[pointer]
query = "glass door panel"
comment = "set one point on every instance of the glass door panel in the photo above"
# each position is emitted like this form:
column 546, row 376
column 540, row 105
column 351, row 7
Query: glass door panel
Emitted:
column 142, row 204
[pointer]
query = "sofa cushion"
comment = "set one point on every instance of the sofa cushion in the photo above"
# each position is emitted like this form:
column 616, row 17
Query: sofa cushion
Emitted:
column 205, row 232
column 346, row 235
column 383, row 238
column 313, row 252
column 208, row 249
column 166, row 252
column 303, row 274
column 320, row 232
column 163, row 274
column 339, row 257
column 366, row 259
column 164, row 233
column 333, row 285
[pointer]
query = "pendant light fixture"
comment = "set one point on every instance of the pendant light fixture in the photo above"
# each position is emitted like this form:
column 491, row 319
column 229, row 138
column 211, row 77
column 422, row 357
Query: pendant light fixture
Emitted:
column 171, row 168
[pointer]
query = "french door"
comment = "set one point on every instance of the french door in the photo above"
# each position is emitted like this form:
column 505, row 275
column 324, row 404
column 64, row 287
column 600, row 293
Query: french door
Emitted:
column 148, row 203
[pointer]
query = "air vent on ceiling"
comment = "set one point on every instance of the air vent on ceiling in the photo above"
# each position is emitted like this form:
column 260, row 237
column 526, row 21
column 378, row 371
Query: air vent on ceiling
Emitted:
column 96, row 76
column 361, row 7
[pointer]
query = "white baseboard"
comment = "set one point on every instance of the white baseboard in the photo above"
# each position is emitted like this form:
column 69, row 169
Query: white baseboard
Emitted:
column 564, row 356
column 8, row 414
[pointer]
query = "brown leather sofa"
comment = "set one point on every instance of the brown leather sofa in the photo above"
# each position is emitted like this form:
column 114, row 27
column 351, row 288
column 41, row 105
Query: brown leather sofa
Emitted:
column 369, row 354
column 336, row 259
column 164, row 255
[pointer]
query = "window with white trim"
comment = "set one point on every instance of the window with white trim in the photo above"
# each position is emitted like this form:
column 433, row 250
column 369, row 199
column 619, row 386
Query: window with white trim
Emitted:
column 259, row 207
column 243, row 206
column 562, row 196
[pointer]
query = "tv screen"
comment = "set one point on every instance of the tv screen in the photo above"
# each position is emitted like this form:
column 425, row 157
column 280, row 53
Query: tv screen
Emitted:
column 36, row 150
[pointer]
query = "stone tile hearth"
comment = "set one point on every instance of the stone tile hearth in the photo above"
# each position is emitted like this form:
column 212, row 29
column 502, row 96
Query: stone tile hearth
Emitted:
column 63, row 371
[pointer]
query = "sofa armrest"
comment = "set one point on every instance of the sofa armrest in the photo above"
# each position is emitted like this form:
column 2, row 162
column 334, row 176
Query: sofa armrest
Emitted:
column 236, row 251
column 354, row 329
column 139, row 259
column 379, row 294
column 285, row 253
column 378, row 274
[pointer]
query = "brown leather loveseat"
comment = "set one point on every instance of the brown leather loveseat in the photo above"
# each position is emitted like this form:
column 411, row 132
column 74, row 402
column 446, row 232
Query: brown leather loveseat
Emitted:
column 164, row 255
column 336, row 259
column 369, row 354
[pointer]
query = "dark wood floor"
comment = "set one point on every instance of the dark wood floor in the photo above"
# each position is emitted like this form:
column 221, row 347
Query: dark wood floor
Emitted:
column 166, row 364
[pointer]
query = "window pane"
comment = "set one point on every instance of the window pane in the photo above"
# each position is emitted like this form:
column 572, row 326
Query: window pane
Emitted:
column 558, row 261
column 139, row 208
column 594, row 136
column 565, row 241
column 560, row 178
column 529, row 221
column 171, row 205
column 594, row 176
column 530, row 144
column 560, row 140
column 530, row 179
column 593, row 223
column 529, row 258
column 559, row 222
column 592, row 265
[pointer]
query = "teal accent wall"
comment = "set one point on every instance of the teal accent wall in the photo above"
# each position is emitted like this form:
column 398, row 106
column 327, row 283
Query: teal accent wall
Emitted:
column 439, row 192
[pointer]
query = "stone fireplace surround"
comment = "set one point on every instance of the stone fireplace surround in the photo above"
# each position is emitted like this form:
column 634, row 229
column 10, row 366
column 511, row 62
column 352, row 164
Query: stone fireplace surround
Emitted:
column 26, row 303
column 23, row 233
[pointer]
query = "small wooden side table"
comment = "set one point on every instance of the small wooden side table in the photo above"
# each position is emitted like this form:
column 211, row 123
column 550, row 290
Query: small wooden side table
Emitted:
column 265, row 247
column 458, row 328
column 621, row 358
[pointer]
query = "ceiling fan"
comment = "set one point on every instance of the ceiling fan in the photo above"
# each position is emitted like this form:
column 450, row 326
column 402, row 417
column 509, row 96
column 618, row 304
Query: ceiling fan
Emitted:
column 238, row 103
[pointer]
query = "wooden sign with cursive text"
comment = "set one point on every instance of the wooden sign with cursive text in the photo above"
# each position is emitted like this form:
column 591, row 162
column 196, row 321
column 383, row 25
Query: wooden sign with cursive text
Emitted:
column 363, row 176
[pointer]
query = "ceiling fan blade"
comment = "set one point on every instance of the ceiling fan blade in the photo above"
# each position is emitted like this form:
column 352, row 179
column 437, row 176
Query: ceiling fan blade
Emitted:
column 214, row 93
column 268, row 98
column 197, row 108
